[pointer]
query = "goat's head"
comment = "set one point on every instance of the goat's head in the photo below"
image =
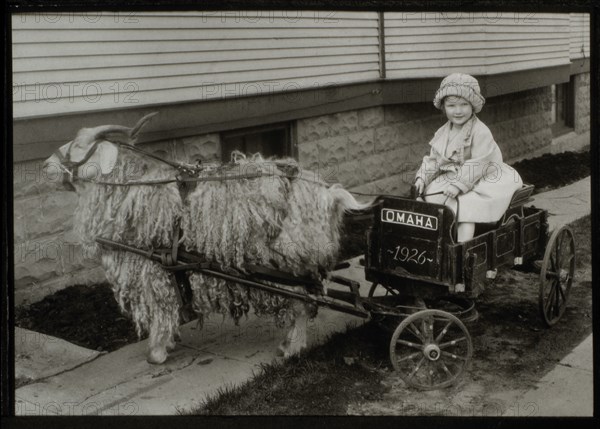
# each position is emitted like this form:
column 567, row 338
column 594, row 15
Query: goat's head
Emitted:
column 93, row 151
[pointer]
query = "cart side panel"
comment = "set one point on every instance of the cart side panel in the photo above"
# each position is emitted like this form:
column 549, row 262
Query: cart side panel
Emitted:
column 506, row 245
column 410, row 236
column 474, row 256
column 534, row 233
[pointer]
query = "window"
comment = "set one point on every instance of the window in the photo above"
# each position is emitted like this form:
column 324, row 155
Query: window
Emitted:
column 271, row 140
column 563, row 106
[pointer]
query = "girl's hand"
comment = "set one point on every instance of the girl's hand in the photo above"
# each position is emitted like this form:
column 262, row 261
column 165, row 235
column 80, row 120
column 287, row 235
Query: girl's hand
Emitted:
column 420, row 186
column 451, row 191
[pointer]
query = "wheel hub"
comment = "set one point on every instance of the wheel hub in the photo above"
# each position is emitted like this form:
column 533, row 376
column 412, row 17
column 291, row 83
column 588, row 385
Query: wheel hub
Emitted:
column 432, row 352
column 563, row 275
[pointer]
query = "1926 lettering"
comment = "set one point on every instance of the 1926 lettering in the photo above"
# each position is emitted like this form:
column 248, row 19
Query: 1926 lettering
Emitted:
column 406, row 254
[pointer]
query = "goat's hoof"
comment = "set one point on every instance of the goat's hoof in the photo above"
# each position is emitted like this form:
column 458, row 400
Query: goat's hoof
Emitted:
column 157, row 356
column 283, row 349
column 288, row 349
column 295, row 351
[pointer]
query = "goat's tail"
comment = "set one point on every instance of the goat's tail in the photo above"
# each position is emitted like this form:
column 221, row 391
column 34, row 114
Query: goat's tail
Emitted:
column 346, row 200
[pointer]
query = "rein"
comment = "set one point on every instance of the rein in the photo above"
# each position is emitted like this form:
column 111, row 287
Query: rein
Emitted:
column 178, row 165
column 198, row 179
column 189, row 171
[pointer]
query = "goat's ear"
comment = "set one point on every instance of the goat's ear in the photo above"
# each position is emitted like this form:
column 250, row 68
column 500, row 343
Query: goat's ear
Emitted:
column 133, row 134
column 105, row 157
column 64, row 148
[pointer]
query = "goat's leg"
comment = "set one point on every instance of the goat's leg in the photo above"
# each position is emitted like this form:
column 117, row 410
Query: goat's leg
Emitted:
column 144, row 290
column 164, row 324
column 158, row 342
column 295, row 340
column 172, row 341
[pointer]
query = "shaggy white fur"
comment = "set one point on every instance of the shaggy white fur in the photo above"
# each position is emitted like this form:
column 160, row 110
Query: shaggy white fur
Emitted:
column 277, row 221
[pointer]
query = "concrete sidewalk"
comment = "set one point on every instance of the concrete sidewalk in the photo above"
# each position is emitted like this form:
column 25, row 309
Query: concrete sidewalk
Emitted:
column 566, row 204
column 222, row 355
column 567, row 390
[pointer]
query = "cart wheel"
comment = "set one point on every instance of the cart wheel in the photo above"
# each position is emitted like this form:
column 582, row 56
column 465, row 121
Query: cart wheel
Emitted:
column 556, row 275
column 431, row 349
column 388, row 290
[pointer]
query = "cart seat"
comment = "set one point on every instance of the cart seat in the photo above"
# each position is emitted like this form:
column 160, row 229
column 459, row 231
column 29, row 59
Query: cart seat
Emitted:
column 515, row 209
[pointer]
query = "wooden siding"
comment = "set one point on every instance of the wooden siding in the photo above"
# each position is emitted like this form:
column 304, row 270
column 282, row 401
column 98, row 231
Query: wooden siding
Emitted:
column 428, row 44
column 83, row 62
column 580, row 35
column 75, row 62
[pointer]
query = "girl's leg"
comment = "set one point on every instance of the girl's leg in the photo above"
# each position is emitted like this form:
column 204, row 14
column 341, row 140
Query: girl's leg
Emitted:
column 465, row 231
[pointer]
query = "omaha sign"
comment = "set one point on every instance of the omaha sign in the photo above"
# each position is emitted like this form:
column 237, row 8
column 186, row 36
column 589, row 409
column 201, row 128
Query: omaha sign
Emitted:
column 416, row 220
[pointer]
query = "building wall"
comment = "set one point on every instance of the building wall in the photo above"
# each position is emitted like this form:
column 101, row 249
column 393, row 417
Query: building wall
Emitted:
column 579, row 137
column 370, row 150
column 582, row 103
column 579, row 45
column 47, row 256
column 520, row 123
column 432, row 44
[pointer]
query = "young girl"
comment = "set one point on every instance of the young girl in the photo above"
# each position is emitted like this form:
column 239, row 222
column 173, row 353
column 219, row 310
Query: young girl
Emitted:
column 465, row 163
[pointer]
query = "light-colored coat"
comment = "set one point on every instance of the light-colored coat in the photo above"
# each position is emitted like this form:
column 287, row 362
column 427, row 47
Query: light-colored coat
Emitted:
column 472, row 162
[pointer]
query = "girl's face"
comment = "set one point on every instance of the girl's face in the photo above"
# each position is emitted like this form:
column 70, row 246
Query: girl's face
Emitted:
column 458, row 110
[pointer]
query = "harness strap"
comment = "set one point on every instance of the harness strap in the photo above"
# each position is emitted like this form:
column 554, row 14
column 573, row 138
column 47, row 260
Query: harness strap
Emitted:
column 180, row 179
column 175, row 240
column 187, row 170
column 71, row 168
column 133, row 148
column 66, row 159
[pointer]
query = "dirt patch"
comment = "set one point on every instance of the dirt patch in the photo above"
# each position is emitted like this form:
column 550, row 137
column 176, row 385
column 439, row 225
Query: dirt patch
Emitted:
column 554, row 171
column 84, row 315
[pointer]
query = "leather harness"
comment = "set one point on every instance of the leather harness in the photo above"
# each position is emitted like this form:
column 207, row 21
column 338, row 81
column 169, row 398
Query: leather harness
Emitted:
column 70, row 167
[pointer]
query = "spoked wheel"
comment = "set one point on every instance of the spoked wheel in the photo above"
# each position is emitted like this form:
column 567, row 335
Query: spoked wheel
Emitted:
column 556, row 275
column 431, row 349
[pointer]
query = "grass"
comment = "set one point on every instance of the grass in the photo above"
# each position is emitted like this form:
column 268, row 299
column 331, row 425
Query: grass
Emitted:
column 320, row 381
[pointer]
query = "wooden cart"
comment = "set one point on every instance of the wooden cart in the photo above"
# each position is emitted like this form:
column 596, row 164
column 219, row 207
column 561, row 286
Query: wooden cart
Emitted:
column 413, row 257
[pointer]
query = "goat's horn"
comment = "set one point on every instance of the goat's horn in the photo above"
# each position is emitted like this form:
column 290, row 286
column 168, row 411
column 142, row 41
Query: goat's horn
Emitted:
column 112, row 132
column 121, row 133
column 140, row 124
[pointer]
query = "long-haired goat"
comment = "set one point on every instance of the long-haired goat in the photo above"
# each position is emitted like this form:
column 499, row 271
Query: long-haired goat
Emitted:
column 275, row 221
